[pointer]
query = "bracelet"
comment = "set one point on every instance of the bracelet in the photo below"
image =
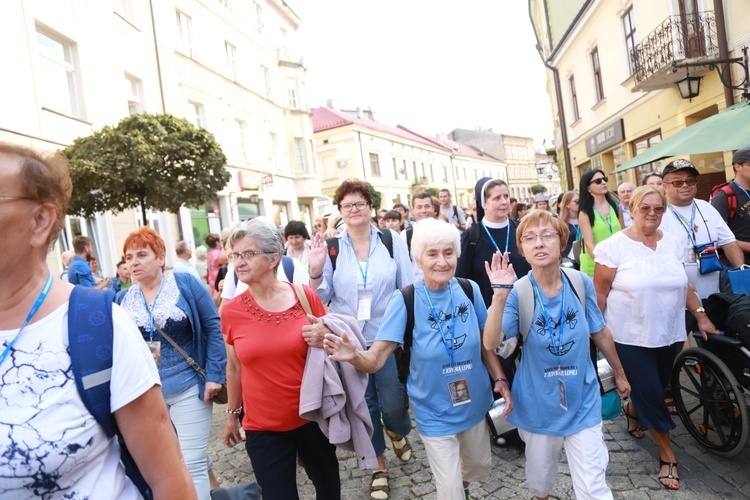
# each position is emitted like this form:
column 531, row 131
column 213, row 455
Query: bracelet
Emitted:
column 316, row 277
column 502, row 285
column 234, row 412
column 502, row 380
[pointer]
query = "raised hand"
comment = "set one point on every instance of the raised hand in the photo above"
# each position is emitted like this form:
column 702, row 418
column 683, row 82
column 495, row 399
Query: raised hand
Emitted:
column 500, row 271
column 316, row 256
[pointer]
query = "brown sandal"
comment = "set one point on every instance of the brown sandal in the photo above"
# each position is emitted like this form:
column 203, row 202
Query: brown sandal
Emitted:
column 379, row 488
column 401, row 446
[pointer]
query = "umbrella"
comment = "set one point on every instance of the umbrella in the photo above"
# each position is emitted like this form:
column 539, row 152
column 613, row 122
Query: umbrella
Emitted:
column 724, row 131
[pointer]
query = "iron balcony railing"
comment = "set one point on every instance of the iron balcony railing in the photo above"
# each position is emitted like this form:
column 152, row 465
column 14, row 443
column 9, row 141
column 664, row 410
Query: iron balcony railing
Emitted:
column 677, row 38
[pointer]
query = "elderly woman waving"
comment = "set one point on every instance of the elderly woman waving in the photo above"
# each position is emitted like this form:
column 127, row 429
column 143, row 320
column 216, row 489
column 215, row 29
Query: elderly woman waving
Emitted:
column 448, row 381
column 555, row 389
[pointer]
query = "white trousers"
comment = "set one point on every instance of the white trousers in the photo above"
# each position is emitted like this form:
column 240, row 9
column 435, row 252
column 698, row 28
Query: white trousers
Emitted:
column 587, row 457
column 465, row 456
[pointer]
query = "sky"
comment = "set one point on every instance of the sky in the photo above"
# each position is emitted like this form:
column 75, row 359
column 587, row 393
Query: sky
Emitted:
column 431, row 66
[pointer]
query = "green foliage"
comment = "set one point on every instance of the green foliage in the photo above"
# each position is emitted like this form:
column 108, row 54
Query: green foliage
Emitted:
column 432, row 191
column 377, row 196
column 537, row 189
column 156, row 161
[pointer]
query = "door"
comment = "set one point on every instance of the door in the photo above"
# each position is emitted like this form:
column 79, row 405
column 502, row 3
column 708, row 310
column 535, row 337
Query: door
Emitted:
column 694, row 44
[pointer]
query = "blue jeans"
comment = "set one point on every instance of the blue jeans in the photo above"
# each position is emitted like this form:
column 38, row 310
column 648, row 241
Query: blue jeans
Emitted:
column 192, row 419
column 386, row 397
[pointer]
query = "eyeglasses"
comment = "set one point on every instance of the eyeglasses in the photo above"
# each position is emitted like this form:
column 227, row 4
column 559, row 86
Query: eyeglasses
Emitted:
column 5, row 197
column 234, row 256
column 530, row 239
column 598, row 181
column 347, row 207
column 692, row 181
column 645, row 209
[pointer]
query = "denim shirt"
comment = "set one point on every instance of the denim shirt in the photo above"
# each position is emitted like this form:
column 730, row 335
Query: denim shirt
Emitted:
column 79, row 273
column 208, row 343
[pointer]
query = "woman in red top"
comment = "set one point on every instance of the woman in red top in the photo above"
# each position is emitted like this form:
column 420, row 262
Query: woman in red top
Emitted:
column 265, row 362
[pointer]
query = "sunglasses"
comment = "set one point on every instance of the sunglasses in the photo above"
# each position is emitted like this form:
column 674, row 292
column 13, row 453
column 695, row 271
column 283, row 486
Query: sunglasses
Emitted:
column 679, row 183
column 645, row 209
column 598, row 181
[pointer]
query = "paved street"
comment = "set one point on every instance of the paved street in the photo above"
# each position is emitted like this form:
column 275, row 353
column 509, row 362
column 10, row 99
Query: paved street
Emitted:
column 633, row 467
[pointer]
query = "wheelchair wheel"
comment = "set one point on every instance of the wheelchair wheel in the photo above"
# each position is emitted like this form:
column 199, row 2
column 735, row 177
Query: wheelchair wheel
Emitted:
column 710, row 402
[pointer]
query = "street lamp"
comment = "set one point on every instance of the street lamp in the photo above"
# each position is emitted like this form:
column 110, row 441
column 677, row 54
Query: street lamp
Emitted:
column 690, row 85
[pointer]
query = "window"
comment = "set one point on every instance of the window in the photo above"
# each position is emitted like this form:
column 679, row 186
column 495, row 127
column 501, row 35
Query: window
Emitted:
column 133, row 91
column 266, row 80
column 284, row 44
column 374, row 164
column 59, row 81
column 231, row 51
column 226, row 3
column 259, row 16
column 195, row 114
column 641, row 145
column 301, row 154
column 185, row 32
column 574, row 96
column 240, row 130
column 292, row 93
column 416, row 175
column 274, row 148
column 628, row 25
column 432, row 174
column 445, row 174
column 395, row 169
column 128, row 10
column 406, row 171
column 599, row 87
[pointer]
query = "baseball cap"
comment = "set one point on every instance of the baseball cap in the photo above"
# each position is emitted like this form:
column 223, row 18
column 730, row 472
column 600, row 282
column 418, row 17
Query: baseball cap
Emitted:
column 741, row 156
column 679, row 164
column 541, row 197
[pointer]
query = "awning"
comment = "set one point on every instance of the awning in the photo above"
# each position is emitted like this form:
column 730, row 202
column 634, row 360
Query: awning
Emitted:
column 724, row 131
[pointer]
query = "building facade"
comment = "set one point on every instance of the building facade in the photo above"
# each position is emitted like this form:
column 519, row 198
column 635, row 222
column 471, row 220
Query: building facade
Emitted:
column 228, row 66
column 396, row 161
column 613, row 86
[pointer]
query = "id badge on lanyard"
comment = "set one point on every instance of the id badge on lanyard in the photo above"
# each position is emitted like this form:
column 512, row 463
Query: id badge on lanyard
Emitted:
column 364, row 303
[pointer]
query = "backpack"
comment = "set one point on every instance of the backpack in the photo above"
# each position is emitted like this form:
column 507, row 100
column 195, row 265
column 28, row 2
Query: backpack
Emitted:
column 286, row 263
column 527, row 300
column 333, row 246
column 90, row 339
column 403, row 354
column 728, row 190
column 730, row 313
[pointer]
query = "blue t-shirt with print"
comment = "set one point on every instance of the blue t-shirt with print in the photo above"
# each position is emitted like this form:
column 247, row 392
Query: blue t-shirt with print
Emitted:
column 536, row 387
column 430, row 370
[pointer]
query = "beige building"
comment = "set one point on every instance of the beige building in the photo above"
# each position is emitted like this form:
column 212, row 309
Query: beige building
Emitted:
column 395, row 160
column 522, row 168
column 228, row 66
column 613, row 86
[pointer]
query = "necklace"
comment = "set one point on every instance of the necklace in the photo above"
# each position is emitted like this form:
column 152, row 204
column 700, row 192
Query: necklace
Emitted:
column 264, row 316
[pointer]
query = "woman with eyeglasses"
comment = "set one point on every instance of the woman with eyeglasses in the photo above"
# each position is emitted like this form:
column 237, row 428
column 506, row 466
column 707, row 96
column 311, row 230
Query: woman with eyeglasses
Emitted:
column 365, row 277
column 569, row 215
column 642, row 287
column 600, row 215
column 266, row 355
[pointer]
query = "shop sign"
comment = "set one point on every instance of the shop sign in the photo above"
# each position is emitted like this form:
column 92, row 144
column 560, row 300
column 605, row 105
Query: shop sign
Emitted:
column 605, row 138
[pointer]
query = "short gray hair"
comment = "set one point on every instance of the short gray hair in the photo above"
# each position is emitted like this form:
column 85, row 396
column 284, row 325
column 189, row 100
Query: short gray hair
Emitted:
column 181, row 247
column 433, row 232
column 265, row 234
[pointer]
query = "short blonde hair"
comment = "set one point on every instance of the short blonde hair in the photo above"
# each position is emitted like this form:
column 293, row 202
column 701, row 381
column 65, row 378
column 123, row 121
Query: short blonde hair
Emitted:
column 432, row 232
column 542, row 218
column 641, row 192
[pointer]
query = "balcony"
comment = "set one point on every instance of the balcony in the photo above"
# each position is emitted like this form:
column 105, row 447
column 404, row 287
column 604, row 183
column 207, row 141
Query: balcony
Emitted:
column 679, row 38
column 308, row 186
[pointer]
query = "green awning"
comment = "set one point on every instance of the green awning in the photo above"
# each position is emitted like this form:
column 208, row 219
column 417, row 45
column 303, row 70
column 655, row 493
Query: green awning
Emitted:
column 724, row 131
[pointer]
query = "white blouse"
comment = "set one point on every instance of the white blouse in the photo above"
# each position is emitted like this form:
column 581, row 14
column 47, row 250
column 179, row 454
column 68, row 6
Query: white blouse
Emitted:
column 646, row 304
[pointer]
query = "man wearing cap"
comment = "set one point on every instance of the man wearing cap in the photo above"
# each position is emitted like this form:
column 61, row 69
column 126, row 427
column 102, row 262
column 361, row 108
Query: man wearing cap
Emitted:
column 737, row 216
column 624, row 191
column 694, row 222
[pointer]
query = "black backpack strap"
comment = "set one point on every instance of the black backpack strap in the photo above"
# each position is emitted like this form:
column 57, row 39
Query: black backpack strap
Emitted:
column 474, row 234
column 387, row 238
column 403, row 353
column 333, row 251
column 409, row 233
column 465, row 285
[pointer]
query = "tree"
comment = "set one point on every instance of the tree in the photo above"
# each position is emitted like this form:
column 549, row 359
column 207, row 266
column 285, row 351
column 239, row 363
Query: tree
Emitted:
column 538, row 188
column 377, row 196
column 154, row 161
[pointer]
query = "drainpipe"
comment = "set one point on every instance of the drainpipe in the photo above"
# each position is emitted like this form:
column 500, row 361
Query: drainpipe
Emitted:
column 721, row 40
column 558, row 98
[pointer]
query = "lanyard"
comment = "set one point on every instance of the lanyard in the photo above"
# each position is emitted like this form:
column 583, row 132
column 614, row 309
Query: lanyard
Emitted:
column 439, row 323
column 608, row 220
column 150, row 310
column 507, row 237
column 367, row 263
column 741, row 188
column 557, row 340
column 689, row 227
column 42, row 295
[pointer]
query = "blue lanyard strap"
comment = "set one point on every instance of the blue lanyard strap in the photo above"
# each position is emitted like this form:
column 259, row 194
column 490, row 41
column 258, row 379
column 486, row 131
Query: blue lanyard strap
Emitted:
column 557, row 340
column 740, row 187
column 367, row 263
column 150, row 310
column 448, row 348
column 689, row 227
column 39, row 300
column 507, row 237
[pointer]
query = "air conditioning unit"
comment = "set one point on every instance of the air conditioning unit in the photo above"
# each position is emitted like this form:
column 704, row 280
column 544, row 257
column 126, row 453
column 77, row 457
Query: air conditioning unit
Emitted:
column 342, row 163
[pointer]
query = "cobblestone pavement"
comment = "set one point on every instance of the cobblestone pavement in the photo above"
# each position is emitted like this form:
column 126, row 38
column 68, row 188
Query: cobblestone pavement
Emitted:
column 633, row 467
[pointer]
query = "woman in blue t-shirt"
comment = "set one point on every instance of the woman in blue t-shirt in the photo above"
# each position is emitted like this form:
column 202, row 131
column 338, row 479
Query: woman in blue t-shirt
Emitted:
column 555, row 389
column 449, row 382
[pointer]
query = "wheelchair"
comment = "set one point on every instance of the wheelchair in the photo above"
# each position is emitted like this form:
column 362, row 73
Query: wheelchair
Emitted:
column 711, row 390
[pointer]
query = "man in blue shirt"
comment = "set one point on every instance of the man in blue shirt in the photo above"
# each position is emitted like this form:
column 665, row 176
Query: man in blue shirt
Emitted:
column 182, row 264
column 79, row 272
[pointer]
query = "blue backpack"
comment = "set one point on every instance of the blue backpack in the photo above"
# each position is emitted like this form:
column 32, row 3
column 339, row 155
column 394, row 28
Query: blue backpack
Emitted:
column 90, row 338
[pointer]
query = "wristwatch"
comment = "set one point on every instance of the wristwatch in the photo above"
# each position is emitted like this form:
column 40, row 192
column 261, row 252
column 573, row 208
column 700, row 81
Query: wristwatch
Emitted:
column 699, row 310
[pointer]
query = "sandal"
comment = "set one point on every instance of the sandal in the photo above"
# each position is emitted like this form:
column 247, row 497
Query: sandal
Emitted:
column 379, row 488
column 670, row 475
column 671, row 406
column 629, row 416
column 401, row 446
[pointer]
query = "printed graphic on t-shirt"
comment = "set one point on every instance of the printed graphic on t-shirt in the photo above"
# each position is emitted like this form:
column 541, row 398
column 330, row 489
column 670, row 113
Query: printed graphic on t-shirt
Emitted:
column 571, row 320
